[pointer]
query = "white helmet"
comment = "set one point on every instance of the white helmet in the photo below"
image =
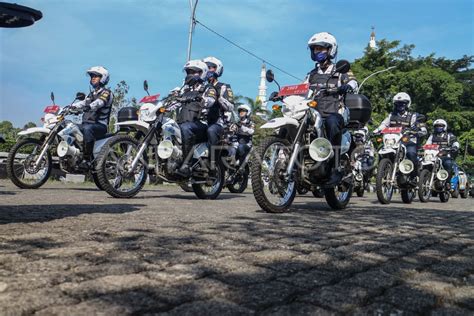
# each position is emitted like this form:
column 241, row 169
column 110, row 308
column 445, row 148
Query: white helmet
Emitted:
column 441, row 122
column 245, row 107
column 324, row 39
column 197, row 65
column 402, row 96
column 362, row 133
column 102, row 72
column 214, row 62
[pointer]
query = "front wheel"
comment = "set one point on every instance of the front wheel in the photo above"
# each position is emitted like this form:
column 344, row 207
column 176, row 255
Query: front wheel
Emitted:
column 113, row 167
column 186, row 186
column 272, row 191
column 383, row 182
column 407, row 195
column 360, row 192
column 424, row 191
column 240, row 181
column 463, row 193
column 95, row 178
column 21, row 164
column 213, row 186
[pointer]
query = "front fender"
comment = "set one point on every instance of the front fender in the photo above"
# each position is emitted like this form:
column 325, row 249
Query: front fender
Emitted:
column 280, row 122
column 34, row 130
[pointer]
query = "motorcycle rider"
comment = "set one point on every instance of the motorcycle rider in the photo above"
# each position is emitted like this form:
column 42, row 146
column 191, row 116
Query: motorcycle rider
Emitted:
column 402, row 117
column 364, row 145
column 323, row 47
column 96, row 110
column 192, row 116
column 225, row 101
column 244, row 131
column 447, row 141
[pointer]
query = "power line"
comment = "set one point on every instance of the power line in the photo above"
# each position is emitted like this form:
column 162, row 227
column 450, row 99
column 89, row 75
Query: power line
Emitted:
column 246, row 50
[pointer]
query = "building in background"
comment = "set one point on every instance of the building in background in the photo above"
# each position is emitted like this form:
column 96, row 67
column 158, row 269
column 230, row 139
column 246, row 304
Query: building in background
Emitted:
column 262, row 88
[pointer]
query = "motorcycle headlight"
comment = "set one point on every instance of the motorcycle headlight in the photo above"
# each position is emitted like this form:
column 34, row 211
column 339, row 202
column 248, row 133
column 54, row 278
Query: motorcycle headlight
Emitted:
column 406, row 166
column 390, row 142
column 442, row 175
column 429, row 157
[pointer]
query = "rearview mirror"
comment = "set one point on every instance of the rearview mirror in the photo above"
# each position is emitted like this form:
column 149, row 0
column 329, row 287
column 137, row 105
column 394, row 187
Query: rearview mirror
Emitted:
column 269, row 75
column 343, row 66
column 52, row 96
column 273, row 96
column 145, row 85
column 81, row 96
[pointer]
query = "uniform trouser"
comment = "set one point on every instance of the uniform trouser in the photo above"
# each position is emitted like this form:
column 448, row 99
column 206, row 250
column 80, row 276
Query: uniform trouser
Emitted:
column 334, row 124
column 214, row 134
column 448, row 166
column 91, row 132
column 192, row 133
column 242, row 152
column 412, row 155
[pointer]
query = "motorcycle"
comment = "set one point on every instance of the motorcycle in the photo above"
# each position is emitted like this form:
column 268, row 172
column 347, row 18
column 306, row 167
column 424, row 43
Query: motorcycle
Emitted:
column 433, row 176
column 237, row 174
column 361, row 169
column 124, row 162
column 29, row 162
column 394, row 168
column 463, row 184
column 298, row 154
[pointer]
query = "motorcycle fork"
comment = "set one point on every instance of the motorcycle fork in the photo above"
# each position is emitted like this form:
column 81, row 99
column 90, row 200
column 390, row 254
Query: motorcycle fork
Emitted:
column 46, row 144
column 149, row 136
column 395, row 167
column 295, row 148
column 433, row 173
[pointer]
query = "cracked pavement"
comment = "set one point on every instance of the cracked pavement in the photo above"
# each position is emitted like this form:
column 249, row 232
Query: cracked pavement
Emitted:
column 73, row 250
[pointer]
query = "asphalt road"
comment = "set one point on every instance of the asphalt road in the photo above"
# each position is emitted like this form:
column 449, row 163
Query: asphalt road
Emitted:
column 73, row 250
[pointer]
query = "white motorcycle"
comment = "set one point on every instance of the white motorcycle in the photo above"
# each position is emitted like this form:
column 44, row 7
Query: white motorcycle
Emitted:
column 30, row 160
column 433, row 176
column 299, row 152
column 394, row 168
column 153, row 142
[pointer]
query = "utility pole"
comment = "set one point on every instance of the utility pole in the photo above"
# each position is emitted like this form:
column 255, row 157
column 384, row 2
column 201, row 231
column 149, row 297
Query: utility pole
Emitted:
column 192, row 23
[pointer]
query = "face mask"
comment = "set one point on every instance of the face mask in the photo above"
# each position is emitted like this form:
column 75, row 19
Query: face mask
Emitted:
column 400, row 108
column 439, row 130
column 320, row 57
column 193, row 79
column 211, row 75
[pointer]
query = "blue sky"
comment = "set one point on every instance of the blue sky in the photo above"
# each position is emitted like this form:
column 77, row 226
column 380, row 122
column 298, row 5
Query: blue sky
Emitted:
column 147, row 39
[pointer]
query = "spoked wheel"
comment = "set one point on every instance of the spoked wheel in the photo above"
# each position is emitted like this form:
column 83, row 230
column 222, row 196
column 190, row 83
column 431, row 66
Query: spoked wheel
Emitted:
column 21, row 164
column 113, row 167
column 444, row 196
column 424, row 190
column 213, row 186
column 383, row 183
column 95, row 178
column 273, row 193
column 407, row 195
column 240, row 182
column 339, row 196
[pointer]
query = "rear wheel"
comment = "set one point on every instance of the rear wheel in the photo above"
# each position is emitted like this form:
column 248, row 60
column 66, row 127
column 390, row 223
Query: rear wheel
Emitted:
column 407, row 195
column 463, row 194
column 424, row 189
column 455, row 193
column 339, row 196
column 383, row 183
column 240, row 181
column 21, row 164
column 272, row 191
column 213, row 186
column 186, row 186
column 113, row 164
column 444, row 196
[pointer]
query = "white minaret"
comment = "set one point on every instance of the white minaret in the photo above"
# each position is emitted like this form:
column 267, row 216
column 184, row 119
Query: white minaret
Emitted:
column 262, row 88
column 372, row 43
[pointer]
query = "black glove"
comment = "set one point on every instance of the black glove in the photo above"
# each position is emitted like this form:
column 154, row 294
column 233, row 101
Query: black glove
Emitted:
column 343, row 89
column 80, row 96
column 86, row 108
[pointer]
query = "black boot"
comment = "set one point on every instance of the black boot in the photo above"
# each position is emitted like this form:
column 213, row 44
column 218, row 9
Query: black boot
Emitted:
column 336, row 174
